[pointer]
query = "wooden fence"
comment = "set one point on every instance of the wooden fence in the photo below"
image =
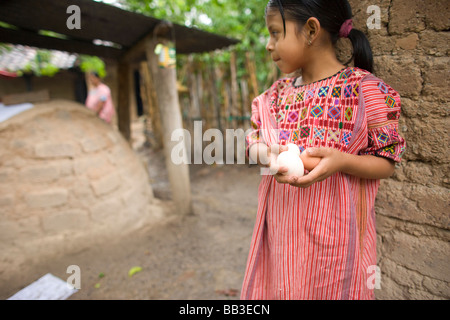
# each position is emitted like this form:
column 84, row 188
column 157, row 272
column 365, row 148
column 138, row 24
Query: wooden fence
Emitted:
column 210, row 92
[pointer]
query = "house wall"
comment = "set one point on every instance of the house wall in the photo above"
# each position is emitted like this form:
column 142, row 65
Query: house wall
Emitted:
column 411, row 51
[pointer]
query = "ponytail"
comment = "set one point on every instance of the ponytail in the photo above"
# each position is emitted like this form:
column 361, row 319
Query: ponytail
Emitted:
column 362, row 52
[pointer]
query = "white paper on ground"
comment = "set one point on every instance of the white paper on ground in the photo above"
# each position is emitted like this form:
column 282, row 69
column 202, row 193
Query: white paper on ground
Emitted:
column 48, row 287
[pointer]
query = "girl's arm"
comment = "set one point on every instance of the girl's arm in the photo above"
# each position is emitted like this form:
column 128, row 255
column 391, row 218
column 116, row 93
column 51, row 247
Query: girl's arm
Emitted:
column 99, row 106
column 362, row 166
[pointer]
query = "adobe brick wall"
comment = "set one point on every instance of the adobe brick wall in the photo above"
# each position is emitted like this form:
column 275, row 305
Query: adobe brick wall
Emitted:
column 67, row 180
column 411, row 52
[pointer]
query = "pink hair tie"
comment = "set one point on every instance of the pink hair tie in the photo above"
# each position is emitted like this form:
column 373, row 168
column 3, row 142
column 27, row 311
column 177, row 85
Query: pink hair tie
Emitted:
column 346, row 27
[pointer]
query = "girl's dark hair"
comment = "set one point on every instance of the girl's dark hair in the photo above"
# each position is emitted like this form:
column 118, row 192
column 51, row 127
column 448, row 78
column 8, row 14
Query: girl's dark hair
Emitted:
column 331, row 15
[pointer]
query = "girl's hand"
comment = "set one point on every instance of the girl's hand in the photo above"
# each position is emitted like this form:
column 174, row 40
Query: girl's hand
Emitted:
column 331, row 161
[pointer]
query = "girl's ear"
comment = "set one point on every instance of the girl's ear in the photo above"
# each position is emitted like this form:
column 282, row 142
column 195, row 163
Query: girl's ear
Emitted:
column 312, row 28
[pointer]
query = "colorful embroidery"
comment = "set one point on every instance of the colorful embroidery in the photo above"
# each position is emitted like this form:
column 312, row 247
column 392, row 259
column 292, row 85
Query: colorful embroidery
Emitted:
column 280, row 116
column 304, row 132
column 317, row 111
column 346, row 136
column 356, row 90
column 284, row 135
column 319, row 133
column 256, row 125
column 383, row 88
column 293, row 116
column 348, row 91
column 272, row 103
column 393, row 134
column 349, row 114
column 402, row 151
column 336, row 92
column 304, row 113
column 390, row 102
column 323, row 91
column 346, row 74
column 302, row 119
column 393, row 115
column 289, row 100
column 383, row 138
column 390, row 149
column 309, row 94
column 333, row 135
column 334, row 112
column 280, row 100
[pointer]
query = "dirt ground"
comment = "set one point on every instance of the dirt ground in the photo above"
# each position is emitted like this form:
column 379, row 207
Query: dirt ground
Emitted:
column 197, row 257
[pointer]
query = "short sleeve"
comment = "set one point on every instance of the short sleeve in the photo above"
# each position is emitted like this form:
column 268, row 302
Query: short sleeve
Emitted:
column 103, row 93
column 382, row 106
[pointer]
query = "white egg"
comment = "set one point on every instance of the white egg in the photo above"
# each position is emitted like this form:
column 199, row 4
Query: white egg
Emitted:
column 293, row 148
column 292, row 161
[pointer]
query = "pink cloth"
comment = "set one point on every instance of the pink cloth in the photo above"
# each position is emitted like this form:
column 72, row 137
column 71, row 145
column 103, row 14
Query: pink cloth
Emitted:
column 101, row 93
column 320, row 242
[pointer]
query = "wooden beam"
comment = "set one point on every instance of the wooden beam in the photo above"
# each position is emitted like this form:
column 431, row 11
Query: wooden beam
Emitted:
column 29, row 38
column 153, row 110
column 123, row 108
column 136, row 53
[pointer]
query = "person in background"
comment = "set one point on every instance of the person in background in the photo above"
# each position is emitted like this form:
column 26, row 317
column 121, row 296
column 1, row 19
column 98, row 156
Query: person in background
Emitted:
column 99, row 98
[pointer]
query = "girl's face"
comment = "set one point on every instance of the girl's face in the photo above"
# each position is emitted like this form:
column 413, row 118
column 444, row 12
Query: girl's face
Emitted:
column 94, row 80
column 287, row 51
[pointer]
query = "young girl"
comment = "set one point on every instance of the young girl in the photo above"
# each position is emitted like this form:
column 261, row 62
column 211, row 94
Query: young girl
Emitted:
column 315, row 236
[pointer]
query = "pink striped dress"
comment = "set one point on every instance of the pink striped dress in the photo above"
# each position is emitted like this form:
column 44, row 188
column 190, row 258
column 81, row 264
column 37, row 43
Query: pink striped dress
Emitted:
column 320, row 242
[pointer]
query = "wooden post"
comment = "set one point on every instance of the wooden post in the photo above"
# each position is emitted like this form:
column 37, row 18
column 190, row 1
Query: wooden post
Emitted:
column 215, row 97
column 123, row 108
column 234, row 90
column 165, row 81
column 246, row 105
column 152, row 102
column 251, row 67
column 193, row 91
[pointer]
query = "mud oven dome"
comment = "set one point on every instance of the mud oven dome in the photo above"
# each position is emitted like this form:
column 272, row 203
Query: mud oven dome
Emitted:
column 67, row 179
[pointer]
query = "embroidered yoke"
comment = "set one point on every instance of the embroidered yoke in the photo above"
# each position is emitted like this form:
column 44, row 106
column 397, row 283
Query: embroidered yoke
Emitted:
column 320, row 242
